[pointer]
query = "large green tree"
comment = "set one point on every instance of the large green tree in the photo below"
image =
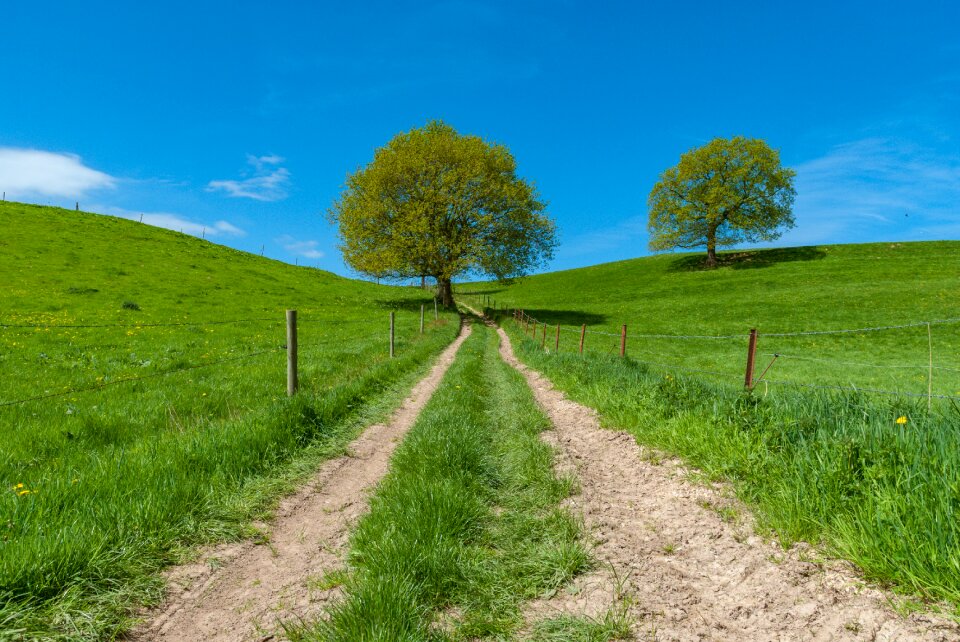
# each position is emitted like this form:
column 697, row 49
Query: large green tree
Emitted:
column 435, row 203
column 730, row 191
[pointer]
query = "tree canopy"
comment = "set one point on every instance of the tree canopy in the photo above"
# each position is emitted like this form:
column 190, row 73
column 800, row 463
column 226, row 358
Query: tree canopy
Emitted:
column 727, row 192
column 435, row 203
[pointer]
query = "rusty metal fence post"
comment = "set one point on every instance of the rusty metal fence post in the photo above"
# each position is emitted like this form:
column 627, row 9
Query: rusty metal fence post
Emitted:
column 751, row 355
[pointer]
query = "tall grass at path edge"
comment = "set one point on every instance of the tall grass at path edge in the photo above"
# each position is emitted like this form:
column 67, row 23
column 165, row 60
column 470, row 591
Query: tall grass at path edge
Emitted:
column 875, row 480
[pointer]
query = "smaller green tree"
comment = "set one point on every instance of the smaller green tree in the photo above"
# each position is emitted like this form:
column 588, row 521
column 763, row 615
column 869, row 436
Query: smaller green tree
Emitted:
column 727, row 192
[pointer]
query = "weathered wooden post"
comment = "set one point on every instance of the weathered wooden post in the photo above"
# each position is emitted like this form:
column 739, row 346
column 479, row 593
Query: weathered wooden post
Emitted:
column 623, row 340
column 435, row 314
column 583, row 333
column 391, row 335
column 292, row 383
column 421, row 317
column 751, row 354
column 543, row 341
column 557, row 346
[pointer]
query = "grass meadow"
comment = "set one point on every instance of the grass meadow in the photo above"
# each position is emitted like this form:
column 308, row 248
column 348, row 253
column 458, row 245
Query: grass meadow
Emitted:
column 467, row 524
column 783, row 291
column 874, row 478
column 103, row 487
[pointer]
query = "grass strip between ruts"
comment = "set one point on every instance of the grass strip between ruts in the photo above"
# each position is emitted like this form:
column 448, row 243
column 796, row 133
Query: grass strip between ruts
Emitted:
column 467, row 524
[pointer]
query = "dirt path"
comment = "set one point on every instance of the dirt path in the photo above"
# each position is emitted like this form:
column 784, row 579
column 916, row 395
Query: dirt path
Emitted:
column 243, row 592
column 690, row 571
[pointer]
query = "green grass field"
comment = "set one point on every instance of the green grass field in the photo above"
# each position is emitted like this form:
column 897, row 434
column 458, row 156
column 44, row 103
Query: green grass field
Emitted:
column 832, row 466
column 101, row 488
column 787, row 290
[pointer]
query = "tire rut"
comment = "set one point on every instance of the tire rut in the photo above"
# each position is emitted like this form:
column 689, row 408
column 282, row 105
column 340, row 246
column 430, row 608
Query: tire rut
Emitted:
column 244, row 591
column 689, row 573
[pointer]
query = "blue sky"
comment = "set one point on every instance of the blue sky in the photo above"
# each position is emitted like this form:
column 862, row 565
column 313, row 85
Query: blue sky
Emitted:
column 240, row 120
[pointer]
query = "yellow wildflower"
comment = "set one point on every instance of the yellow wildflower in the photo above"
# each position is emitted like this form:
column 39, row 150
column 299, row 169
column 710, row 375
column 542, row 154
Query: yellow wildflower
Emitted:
column 23, row 492
column 901, row 420
column 18, row 487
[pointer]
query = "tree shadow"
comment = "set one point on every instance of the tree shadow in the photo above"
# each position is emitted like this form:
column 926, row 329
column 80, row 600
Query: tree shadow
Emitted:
column 566, row 317
column 482, row 290
column 409, row 305
column 747, row 260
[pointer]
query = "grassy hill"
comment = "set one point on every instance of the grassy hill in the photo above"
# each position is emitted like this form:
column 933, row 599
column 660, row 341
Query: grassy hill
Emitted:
column 162, row 419
column 873, row 477
column 792, row 290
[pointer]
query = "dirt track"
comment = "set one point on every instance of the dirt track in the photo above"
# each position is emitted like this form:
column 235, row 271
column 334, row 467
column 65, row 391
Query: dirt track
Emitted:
column 690, row 574
column 243, row 592
column 688, row 571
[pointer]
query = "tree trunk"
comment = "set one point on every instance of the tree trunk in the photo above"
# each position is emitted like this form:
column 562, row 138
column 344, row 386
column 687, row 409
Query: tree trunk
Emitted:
column 423, row 283
column 445, row 292
column 711, row 250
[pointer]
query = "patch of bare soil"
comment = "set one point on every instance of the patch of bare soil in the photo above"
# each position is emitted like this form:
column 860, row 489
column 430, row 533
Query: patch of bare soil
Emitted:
column 686, row 554
column 243, row 591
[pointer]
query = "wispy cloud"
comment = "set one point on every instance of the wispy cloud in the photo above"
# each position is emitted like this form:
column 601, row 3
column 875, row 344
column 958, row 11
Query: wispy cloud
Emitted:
column 174, row 222
column 306, row 249
column 266, row 182
column 33, row 173
column 874, row 188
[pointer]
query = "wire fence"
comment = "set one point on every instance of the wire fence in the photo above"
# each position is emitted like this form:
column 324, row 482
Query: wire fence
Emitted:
column 350, row 341
column 737, row 360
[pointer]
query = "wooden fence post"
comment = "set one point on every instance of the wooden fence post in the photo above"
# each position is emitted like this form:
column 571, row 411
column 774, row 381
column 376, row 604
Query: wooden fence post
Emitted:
column 391, row 335
column 623, row 340
column 534, row 333
column 435, row 315
column 751, row 354
column 543, row 341
column 556, row 348
column 292, row 384
column 421, row 317
column 583, row 333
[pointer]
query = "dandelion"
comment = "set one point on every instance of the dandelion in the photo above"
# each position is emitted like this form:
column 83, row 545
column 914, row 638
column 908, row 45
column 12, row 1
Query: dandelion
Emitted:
column 23, row 492
column 901, row 420
column 18, row 487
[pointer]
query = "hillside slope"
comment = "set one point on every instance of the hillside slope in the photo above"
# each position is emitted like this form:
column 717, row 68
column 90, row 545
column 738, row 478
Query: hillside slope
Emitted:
column 143, row 407
column 790, row 290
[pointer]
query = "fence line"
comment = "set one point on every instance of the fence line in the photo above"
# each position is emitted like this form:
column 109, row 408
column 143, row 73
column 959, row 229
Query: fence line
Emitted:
column 762, row 334
column 134, row 326
column 53, row 326
column 523, row 320
column 152, row 375
column 105, row 384
column 855, row 388
column 922, row 366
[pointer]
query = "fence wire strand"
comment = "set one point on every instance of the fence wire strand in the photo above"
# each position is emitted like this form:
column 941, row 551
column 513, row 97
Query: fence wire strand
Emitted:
column 850, row 388
column 153, row 375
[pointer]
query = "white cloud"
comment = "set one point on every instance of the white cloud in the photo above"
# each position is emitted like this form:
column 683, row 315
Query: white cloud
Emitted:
column 31, row 173
column 174, row 222
column 306, row 249
column 268, row 182
column 876, row 188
